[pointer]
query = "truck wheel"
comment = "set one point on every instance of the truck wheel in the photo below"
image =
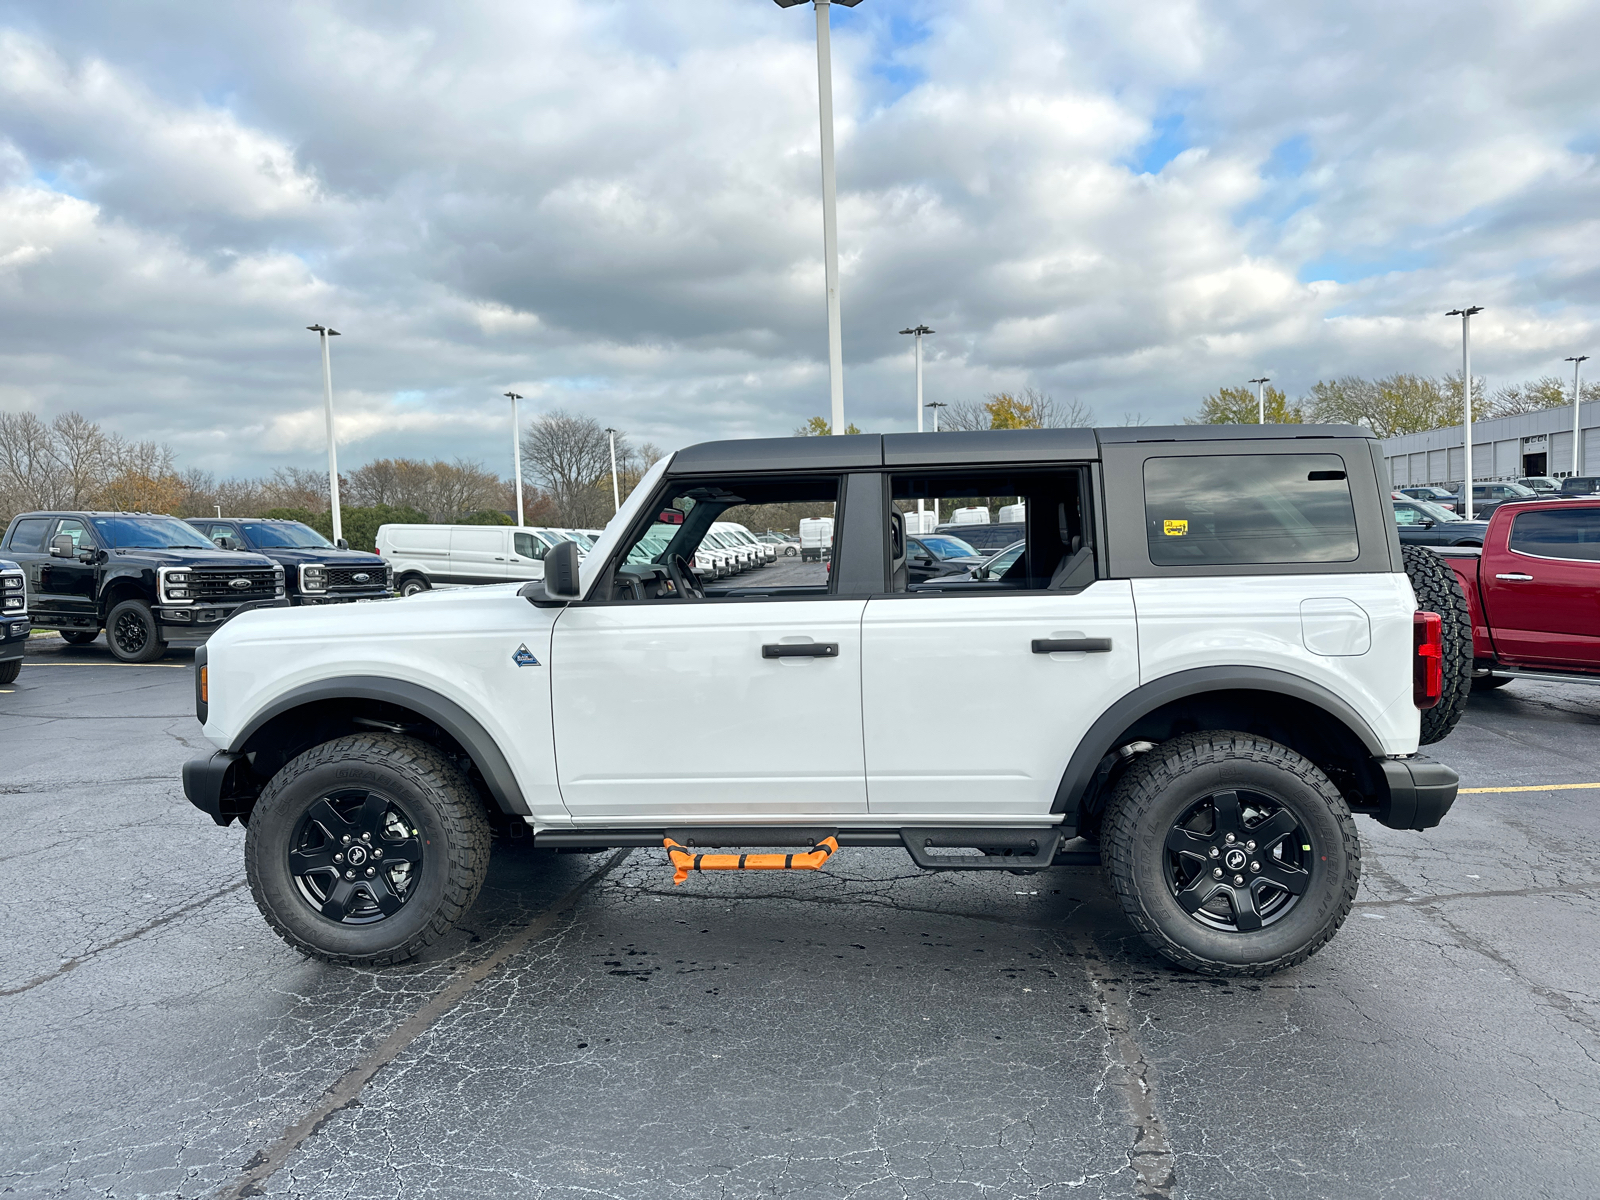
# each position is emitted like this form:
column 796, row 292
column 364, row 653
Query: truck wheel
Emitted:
column 365, row 849
column 79, row 637
column 132, row 633
column 1231, row 854
column 1438, row 590
column 10, row 670
column 412, row 584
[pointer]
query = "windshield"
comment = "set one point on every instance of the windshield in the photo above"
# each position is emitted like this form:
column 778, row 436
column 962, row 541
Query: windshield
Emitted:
column 946, row 546
column 1435, row 513
column 577, row 537
column 286, row 534
column 150, row 533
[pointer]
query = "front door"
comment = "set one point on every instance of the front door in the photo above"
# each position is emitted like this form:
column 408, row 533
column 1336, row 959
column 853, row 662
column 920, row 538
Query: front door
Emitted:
column 1543, row 598
column 67, row 584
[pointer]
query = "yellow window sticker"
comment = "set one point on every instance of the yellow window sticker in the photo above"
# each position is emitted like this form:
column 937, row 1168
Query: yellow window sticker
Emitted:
column 1174, row 528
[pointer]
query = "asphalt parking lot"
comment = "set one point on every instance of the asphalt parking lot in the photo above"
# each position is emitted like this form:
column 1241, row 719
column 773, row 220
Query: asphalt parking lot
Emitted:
column 591, row 1031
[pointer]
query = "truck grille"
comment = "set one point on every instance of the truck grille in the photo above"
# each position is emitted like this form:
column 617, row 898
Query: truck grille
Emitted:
column 218, row 585
column 343, row 579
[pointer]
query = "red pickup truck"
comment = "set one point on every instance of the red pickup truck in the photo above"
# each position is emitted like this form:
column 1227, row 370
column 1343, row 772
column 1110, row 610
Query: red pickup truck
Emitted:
column 1534, row 593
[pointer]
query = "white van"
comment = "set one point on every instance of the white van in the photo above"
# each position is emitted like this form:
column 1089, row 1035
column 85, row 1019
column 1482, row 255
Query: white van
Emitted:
column 427, row 556
column 970, row 516
column 816, row 538
column 764, row 552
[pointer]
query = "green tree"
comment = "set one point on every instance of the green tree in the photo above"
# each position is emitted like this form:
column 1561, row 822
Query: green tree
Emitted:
column 819, row 427
column 1238, row 406
column 486, row 516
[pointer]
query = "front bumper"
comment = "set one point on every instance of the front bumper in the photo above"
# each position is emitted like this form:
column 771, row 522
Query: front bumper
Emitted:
column 1421, row 791
column 14, row 633
column 341, row 597
column 218, row 786
column 209, row 616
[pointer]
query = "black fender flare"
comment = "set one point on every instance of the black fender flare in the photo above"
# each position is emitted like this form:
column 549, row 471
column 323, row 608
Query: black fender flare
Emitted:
column 442, row 711
column 1145, row 699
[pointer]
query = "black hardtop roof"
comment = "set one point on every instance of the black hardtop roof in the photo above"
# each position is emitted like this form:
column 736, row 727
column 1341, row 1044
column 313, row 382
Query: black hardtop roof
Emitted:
column 865, row 450
column 100, row 512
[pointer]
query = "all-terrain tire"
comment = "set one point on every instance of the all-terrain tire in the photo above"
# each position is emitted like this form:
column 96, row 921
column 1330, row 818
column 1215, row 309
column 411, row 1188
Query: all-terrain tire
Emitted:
column 10, row 670
column 1166, row 782
column 79, row 637
column 447, row 820
column 133, row 634
column 1439, row 590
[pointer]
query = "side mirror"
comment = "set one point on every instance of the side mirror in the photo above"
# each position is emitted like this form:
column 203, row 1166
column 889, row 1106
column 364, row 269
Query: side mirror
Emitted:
column 561, row 572
column 228, row 543
column 61, row 546
column 342, row 544
column 923, row 560
column 1427, row 522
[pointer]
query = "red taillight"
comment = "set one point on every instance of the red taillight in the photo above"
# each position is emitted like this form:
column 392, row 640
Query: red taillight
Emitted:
column 1427, row 668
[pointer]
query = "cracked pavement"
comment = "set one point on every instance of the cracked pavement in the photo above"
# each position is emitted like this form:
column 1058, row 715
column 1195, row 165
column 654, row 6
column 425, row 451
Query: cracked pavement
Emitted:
column 589, row 1030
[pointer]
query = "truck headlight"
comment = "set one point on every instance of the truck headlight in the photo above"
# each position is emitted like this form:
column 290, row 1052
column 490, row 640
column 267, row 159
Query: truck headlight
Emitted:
column 177, row 585
column 277, row 581
column 313, row 578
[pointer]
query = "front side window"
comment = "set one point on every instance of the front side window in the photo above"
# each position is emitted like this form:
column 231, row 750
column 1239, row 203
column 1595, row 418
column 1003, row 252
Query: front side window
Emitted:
column 1404, row 514
column 528, row 546
column 73, row 528
column 1241, row 509
column 149, row 533
column 1573, row 534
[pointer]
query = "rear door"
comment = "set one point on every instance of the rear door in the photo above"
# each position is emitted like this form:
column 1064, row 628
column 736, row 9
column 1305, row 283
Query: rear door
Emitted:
column 1543, row 594
column 478, row 554
column 26, row 546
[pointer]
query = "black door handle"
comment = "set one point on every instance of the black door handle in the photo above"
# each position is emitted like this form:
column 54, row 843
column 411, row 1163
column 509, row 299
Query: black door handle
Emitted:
column 1071, row 645
column 801, row 650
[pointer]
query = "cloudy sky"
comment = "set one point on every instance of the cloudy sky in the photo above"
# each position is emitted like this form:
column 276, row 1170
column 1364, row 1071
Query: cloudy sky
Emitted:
column 612, row 206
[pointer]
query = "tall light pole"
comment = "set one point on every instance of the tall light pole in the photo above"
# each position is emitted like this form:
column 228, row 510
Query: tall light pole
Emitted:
column 830, row 222
column 936, row 406
column 918, row 332
column 516, row 447
column 323, row 332
column 616, row 497
column 1577, row 408
column 1261, row 399
column 1466, row 403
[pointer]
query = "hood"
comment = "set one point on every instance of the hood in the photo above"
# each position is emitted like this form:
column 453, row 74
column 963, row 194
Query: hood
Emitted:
column 313, row 554
column 238, row 559
column 424, row 616
column 7, row 565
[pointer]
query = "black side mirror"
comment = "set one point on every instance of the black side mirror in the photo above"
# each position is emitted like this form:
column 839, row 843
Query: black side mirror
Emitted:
column 561, row 572
column 62, row 546
column 228, row 543
column 1427, row 522
column 342, row 544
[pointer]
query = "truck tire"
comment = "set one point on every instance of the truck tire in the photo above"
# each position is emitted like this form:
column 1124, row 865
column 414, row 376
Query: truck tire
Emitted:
column 79, row 637
column 1205, row 841
column 10, row 670
column 412, row 584
column 1438, row 590
column 132, row 633
column 366, row 849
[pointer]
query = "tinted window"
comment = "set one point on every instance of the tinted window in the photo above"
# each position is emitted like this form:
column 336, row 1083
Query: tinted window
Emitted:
column 527, row 545
column 1248, row 508
column 1581, row 484
column 28, row 536
column 285, row 534
column 1574, row 533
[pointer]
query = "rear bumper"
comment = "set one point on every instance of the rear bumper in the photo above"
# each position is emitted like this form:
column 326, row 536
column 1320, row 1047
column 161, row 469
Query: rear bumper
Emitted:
column 1421, row 792
column 214, row 785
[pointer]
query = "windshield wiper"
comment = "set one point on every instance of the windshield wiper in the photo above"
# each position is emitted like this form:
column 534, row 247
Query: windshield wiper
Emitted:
column 182, row 546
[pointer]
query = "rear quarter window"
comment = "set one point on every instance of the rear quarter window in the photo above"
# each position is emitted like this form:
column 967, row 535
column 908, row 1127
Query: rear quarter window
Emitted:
column 1231, row 509
column 28, row 535
column 1573, row 533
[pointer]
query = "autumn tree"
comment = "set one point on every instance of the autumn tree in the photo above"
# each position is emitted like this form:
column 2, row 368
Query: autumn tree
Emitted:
column 821, row 427
column 1239, row 406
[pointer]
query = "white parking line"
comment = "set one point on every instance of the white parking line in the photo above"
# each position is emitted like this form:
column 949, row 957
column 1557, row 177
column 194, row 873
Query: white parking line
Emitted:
column 136, row 666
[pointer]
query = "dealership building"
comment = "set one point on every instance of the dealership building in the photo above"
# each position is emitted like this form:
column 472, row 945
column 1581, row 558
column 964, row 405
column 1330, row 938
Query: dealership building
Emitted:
column 1536, row 443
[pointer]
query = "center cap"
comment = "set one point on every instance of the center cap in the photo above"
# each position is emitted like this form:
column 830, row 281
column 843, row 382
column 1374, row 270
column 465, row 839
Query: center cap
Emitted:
column 357, row 855
column 1234, row 859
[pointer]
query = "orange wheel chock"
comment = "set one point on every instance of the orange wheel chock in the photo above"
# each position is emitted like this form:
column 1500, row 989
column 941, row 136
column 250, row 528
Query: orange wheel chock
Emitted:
column 684, row 862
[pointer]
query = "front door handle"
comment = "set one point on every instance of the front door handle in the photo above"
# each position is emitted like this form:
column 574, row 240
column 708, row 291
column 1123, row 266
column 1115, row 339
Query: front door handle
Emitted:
column 801, row 650
column 1071, row 645
column 1516, row 577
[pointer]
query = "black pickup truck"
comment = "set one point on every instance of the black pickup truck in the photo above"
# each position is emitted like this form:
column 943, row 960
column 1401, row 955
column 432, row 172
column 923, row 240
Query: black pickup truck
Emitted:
column 316, row 570
column 14, row 627
column 138, row 576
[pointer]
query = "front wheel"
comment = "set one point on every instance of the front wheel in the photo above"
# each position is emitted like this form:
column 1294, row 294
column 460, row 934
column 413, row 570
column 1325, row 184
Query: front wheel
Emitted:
column 132, row 633
column 366, row 849
column 10, row 670
column 1231, row 854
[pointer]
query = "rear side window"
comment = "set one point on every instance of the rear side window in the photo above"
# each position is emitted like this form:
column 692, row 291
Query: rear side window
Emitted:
column 1234, row 509
column 28, row 536
column 1574, row 533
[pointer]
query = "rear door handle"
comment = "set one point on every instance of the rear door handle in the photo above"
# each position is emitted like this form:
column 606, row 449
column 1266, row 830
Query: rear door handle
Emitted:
column 801, row 650
column 1071, row 645
column 1516, row 577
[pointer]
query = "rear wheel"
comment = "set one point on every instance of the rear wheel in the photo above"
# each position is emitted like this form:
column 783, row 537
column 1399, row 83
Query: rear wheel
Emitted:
column 366, row 849
column 80, row 637
column 132, row 633
column 412, row 584
column 1438, row 590
column 1231, row 854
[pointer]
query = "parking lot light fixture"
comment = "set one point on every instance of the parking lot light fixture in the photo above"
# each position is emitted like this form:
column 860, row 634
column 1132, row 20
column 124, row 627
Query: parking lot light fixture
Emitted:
column 616, row 496
column 1261, row 399
column 1466, row 315
column 323, row 332
column 918, row 332
column 830, row 222
column 936, row 406
column 516, row 447
column 1577, row 408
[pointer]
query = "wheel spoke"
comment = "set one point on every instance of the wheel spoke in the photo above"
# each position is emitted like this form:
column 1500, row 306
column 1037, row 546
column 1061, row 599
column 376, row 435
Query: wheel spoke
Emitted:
column 1245, row 913
column 1229, row 817
column 1273, row 830
column 369, row 818
column 1199, row 890
column 1294, row 880
column 338, row 902
column 408, row 851
column 320, row 858
column 1187, row 841
column 325, row 815
column 383, row 894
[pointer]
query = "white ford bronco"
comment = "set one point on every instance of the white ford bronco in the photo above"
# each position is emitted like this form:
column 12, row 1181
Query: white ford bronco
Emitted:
column 1207, row 656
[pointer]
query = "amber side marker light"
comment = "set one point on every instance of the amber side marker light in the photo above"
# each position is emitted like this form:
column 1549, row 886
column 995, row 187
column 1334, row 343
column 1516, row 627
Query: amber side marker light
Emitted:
column 205, row 694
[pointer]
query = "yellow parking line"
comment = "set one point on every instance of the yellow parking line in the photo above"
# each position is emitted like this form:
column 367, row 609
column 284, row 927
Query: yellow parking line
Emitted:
column 168, row 666
column 1534, row 787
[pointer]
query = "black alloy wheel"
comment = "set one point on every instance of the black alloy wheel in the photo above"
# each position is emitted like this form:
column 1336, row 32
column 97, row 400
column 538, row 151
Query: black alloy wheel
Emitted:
column 132, row 633
column 1238, row 860
column 356, row 856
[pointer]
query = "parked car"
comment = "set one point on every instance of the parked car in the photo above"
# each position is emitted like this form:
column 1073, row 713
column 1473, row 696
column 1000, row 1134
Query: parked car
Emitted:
column 1486, row 497
column 993, row 568
column 141, row 577
column 14, row 624
column 425, row 556
column 782, row 544
column 1531, row 592
column 1581, row 485
column 1542, row 484
column 1443, row 497
column 315, row 570
column 769, row 553
column 984, row 538
column 935, row 556
column 1423, row 524
column 1216, row 655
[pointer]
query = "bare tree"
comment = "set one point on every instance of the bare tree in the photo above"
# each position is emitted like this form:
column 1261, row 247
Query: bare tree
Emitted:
column 570, row 457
